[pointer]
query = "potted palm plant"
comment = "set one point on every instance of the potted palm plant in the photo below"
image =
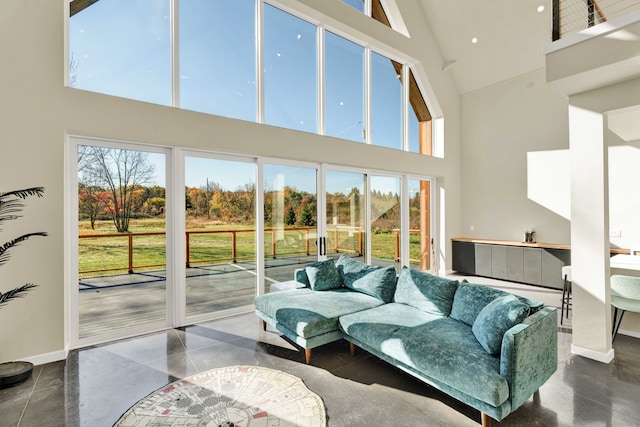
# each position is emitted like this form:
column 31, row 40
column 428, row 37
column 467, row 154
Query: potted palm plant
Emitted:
column 12, row 373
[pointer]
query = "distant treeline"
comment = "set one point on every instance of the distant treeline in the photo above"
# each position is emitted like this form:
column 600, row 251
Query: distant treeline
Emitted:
column 215, row 204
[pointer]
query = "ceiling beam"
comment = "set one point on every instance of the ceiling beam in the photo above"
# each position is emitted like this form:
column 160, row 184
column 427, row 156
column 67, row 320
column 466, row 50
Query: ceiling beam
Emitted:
column 78, row 6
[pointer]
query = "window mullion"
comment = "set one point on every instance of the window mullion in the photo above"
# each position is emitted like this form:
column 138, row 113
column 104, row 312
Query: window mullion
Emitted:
column 367, row 96
column 321, row 82
column 405, row 107
column 259, row 61
column 175, row 53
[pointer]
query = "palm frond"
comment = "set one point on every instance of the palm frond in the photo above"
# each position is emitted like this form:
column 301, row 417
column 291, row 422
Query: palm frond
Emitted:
column 15, row 293
column 4, row 255
column 23, row 194
column 9, row 209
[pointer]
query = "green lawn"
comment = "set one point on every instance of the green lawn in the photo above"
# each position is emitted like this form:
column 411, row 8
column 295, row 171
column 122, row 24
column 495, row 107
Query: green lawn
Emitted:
column 149, row 251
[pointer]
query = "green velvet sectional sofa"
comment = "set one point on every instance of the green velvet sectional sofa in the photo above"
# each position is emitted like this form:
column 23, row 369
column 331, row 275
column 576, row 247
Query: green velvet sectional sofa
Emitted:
column 487, row 348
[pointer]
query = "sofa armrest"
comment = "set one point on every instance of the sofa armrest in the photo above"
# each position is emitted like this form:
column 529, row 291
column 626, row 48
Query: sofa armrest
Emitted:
column 529, row 354
column 300, row 275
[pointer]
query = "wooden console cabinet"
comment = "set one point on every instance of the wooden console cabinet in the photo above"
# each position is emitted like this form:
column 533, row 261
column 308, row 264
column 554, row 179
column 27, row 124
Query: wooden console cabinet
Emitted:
column 531, row 263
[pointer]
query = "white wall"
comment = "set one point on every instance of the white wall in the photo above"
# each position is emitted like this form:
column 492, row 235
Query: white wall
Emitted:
column 515, row 139
column 36, row 112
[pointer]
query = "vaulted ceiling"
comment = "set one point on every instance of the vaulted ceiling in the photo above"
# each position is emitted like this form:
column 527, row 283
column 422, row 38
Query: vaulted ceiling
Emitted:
column 510, row 38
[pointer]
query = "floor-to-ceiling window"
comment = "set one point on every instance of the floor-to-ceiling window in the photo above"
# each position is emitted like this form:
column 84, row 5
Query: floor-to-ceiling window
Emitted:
column 421, row 250
column 220, row 234
column 121, row 240
column 345, row 213
column 386, row 218
column 290, row 219
column 128, row 244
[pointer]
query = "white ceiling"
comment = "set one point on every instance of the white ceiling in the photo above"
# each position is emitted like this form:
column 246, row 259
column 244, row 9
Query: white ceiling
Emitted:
column 511, row 35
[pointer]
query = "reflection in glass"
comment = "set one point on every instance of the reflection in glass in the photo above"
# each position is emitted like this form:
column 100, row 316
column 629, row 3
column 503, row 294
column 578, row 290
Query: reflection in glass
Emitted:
column 121, row 243
column 345, row 208
column 218, row 70
column 290, row 71
column 386, row 102
column 122, row 51
column 290, row 220
column 220, row 234
column 385, row 220
column 420, row 248
column 344, row 88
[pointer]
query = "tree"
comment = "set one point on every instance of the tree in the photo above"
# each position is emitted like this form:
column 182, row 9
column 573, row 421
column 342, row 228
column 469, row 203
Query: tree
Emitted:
column 290, row 216
column 121, row 172
column 307, row 216
column 91, row 201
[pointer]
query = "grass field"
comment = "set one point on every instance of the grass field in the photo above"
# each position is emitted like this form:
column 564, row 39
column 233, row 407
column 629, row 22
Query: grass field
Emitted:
column 110, row 254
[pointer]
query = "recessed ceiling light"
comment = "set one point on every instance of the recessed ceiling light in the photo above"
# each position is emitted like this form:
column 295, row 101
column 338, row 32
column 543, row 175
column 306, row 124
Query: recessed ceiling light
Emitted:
column 474, row 40
column 540, row 8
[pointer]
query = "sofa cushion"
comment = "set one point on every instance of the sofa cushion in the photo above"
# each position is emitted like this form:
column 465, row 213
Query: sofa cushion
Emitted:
column 470, row 299
column 374, row 325
column 323, row 275
column 424, row 291
column 379, row 282
column 309, row 313
column 495, row 319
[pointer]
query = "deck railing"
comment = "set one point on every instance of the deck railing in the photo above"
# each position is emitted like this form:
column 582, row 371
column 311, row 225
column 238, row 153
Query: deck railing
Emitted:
column 206, row 247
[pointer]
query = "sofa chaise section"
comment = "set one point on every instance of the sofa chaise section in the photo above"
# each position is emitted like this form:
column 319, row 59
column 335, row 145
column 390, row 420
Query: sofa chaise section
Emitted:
column 310, row 318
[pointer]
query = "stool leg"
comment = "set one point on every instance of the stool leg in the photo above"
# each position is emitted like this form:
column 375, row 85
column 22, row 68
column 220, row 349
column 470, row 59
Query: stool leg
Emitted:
column 616, row 322
column 564, row 299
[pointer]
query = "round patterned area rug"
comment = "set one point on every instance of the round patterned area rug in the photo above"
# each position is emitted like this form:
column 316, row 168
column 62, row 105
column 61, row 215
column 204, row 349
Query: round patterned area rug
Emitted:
column 235, row 396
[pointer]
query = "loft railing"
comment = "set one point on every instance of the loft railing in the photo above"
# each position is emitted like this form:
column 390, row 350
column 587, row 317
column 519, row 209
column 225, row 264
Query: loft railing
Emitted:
column 572, row 16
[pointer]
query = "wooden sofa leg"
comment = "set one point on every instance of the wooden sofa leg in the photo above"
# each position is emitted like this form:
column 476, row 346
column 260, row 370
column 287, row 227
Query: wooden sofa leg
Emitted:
column 352, row 349
column 486, row 420
column 264, row 326
column 307, row 355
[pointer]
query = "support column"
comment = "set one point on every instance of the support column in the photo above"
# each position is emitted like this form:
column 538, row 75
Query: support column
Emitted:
column 591, row 317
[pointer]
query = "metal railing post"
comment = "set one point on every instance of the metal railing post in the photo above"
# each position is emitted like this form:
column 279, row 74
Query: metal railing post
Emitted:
column 233, row 247
column 188, row 249
column 273, row 244
column 130, row 238
column 396, row 238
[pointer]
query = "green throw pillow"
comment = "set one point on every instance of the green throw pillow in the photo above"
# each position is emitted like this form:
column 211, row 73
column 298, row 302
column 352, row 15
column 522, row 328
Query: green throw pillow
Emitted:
column 495, row 319
column 426, row 292
column 379, row 282
column 323, row 275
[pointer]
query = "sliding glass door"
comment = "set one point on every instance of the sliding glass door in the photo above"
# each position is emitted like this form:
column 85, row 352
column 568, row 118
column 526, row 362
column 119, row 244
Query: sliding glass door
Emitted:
column 345, row 207
column 220, row 234
column 121, row 240
column 386, row 227
column 290, row 220
column 145, row 259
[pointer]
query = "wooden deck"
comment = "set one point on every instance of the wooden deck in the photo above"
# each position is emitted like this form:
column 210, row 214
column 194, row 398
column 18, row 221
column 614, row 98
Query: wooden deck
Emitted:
column 122, row 301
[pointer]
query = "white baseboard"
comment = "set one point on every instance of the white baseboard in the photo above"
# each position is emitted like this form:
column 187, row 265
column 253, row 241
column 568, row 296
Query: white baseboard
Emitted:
column 629, row 333
column 592, row 354
column 41, row 359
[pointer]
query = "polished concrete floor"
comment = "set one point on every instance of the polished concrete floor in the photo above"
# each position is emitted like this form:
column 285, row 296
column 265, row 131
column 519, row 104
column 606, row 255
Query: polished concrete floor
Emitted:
column 95, row 385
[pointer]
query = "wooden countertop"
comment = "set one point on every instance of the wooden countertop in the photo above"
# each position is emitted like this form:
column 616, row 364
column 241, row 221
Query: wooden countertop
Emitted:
column 527, row 245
